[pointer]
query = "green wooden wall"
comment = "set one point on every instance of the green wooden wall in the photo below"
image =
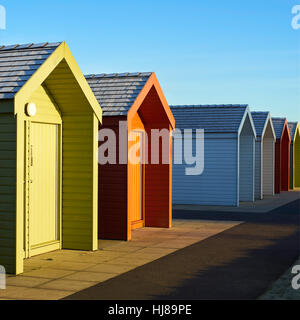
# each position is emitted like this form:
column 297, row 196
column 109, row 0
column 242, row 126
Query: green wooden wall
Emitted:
column 7, row 187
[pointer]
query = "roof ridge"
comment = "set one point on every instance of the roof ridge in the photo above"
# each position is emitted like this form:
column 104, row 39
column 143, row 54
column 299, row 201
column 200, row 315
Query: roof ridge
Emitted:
column 211, row 119
column 278, row 118
column 211, row 106
column 261, row 112
column 118, row 75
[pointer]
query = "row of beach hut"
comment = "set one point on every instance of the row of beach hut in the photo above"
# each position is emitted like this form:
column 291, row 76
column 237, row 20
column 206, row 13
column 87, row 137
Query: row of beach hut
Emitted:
column 54, row 194
column 247, row 155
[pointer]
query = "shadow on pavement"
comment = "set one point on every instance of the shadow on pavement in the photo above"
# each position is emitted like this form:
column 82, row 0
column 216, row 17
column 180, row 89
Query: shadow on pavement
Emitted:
column 292, row 208
column 240, row 263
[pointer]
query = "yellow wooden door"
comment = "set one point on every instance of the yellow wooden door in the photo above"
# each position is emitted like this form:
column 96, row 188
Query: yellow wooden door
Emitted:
column 137, row 172
column 43, row 217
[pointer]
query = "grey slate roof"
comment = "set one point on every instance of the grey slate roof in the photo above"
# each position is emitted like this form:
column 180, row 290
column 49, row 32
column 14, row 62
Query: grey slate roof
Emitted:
column 19, row 62
column 117, row 92
column 278, row 124
column 259, row 119
column 292, row 128
column 211, row 118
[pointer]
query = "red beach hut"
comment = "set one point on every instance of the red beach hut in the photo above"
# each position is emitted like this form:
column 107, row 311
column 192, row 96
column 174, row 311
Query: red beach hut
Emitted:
column 282, row 154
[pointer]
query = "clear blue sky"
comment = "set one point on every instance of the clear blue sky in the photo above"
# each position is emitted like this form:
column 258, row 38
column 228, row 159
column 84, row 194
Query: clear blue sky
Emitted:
column 203, row 52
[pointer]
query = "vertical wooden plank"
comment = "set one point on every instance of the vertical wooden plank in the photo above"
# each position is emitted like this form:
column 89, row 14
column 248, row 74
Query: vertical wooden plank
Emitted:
column 297, row 159
column 292, row 166
column 171, row 179
column 268, row 167
column 113, row 218
column 285, row 161
column 8, row 242
column 20, row 159
column 95, row 184
column 79, row 181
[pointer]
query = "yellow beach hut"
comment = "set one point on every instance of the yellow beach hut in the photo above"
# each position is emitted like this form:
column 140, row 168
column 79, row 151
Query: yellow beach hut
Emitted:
column 295, row 155
column 49, row 121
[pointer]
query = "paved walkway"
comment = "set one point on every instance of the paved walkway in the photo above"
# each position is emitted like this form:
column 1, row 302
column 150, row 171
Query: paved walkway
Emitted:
column 59, row 274
column 239, row 263
column 268, row 204
column 207, row 255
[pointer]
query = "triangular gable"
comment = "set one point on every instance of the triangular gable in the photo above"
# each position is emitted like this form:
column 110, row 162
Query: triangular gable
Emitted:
column 280, row 125
column 297, row 132
column 246, row 114
column 42, row 73
column 294, row 130
column 261, row 121
column 152, row 82
column 269, row 120
column 286, row 127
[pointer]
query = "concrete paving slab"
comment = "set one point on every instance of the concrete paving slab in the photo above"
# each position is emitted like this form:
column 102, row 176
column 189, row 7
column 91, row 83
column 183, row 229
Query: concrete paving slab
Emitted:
column 102, row 244
column 57, row 264
column 47, row 273
column 70, row 285
column 124, row 248
column 66, row 265
column 134, row 262
column 91, row 276
column 21, row 293
column 109, row 268
column 24, row 281
column 91, row 258
column 176, row 244
column 147, row 257
column 155, row 250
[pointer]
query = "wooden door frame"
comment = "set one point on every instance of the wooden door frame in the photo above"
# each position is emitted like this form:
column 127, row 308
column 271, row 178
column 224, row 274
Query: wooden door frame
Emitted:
column 141, row 223
column 28, row 251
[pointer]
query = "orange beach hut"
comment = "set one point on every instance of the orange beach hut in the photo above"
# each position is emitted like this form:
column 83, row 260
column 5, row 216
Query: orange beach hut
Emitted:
column 139, row 194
